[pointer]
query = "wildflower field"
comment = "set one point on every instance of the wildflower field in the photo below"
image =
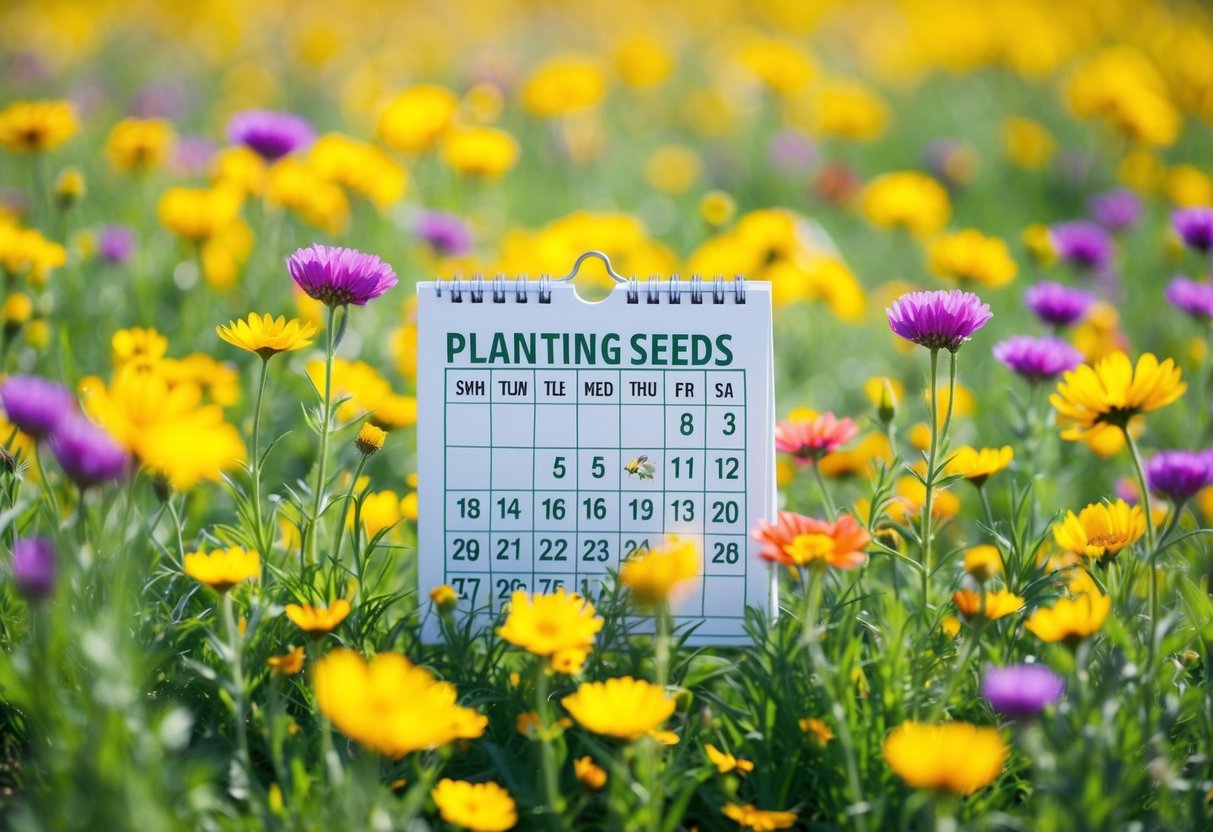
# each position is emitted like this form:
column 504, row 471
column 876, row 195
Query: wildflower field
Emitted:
column 988, row 233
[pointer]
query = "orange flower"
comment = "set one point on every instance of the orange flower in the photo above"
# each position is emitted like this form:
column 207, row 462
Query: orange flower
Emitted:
column 993, row 605
column 796, row 540
column 811, row 439
column 318, row 621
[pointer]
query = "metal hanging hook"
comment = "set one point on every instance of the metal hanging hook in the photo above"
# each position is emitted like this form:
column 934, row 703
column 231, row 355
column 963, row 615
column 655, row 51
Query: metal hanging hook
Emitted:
column 606, row 261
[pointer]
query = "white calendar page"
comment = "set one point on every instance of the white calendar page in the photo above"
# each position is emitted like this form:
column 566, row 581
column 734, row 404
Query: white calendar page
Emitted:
column 530, row 412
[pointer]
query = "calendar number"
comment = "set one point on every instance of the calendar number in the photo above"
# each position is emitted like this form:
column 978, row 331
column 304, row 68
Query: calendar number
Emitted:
column 730, row 424
column 596, row 550
column 547, row 585
column 507, row 587
column 509, row 508
column 684, row 467
column 684, row 510
column 553, row 508
column 469, row 507
column 468, row 589
column 558, row 468
column 725, row 511
column 595, row 508
column 466, row 549
column 725, row 553
column 686, row 424
column 727, row 467
column 642, row 509
column 634, row 547
column 553, row 549
column 598, row 468
column 505, row 544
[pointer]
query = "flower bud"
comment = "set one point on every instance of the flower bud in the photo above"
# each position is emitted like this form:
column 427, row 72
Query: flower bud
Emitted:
column 34, row 567
column 370, row 439
column 69, row 187
column 444, row 598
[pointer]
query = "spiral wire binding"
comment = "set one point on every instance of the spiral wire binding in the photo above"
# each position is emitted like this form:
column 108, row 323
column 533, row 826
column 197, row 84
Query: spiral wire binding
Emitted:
column 652, row 292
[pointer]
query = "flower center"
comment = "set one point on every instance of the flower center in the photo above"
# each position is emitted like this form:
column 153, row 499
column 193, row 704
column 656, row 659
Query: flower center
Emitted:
column 807, row 548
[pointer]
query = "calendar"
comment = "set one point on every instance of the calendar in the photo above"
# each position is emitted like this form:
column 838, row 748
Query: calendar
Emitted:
column 557, row 437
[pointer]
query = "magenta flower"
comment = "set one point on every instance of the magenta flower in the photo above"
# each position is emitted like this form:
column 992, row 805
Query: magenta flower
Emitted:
column 270, row 134
column 1178, row 474
column 34, row 567
column 115, row 243
column 1056, row 304
column 1195, row 227
column 1116, row 210
column 1037, row 359
column 446, row 234
column 1192, row 297
column 1083, row 244
column 1022, row 690
column 36, row 405
column 938, row 320
column 86, row 453
column 337, row 276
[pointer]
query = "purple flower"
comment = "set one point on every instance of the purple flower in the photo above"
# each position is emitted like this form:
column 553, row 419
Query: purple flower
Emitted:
column 1037, row 359
column 938, row 320
column 87, row 454
column 446, row 234
column 337, row 276
column 1178, row 474
column 1191, row 296
column 1056, row 304
column 35, row 405
column 1116, row 210
column 193, row 155
column 792, row 151
column 34, row 567
column 1083, row 244
column 271, row 134
column 1020, row 691
column 115, row 243
column 1195, row 227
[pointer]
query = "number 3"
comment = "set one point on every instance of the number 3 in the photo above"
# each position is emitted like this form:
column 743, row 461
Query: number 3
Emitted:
column 730, row 424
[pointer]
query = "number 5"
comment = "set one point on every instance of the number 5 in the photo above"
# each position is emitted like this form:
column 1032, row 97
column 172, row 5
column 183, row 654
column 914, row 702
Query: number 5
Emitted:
column 598, row 470
column 558, row 469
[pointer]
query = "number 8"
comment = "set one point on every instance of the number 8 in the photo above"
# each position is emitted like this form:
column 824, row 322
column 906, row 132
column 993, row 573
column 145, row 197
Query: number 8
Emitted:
column 686, row 427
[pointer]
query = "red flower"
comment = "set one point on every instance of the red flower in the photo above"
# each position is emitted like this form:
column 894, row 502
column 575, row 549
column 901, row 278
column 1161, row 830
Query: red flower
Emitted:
column 812, row 439
column 796, row 540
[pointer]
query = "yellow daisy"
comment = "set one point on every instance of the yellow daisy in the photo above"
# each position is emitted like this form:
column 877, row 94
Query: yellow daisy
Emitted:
column 480, row 807
column 266, row 335
column 1113, row 391
column 626, row 708
column 222, row 569
column 957, row 757
column 1101, row 529
column 318, row 621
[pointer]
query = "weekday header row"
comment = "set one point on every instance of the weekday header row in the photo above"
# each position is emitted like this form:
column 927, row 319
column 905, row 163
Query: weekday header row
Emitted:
column 595, row 386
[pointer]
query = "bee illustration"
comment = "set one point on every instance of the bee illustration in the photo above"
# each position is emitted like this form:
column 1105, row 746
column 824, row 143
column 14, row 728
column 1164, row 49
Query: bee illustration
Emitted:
column 641, row 467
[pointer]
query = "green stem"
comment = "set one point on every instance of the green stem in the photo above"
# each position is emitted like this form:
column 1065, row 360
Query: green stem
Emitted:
column 322, row 467
column 259, row 536
column 46, row 485
column 551, row 782
column 929, row 480
column 235, row 644
column 349, row 496
column 662, row 645
column 831, row 512
column 1152, row 550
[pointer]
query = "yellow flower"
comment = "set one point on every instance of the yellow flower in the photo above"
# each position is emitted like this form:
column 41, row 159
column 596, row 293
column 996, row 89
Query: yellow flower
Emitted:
column 546, row 624
column 1071, row 619
column 817, row 729
column 979, row 465
column 727, row 762
column 479, row 807
column 653, row 575
column 32, row 126
column 780, row 65
column 222, row 569
column 136, row 342
column 1101, row 529
column 480, row 151
column 288, row 664
column 1028, row 144
column 717, row 208
column 955, row 757
column 970, row 257
column 198, row 445
column 444, row 597
column 369, row 440
column 197, row 214
column 17, row 310
column 318, row 621
column 266, row 335
column 317, row 201
column 993, row 605
column 359, row 166
column 380, row 510
column 563, row 85
column 1039, row 243
column 907, row 199
column 69, row 187
column 1113, row 391
column 848, row 110
column 760, row 820
column 389, row 704
column 672, row 169
column 983, row 562
column 24, row 252
column 414, row 120
column 642, row 61
column 625, row 708
column 588, row 773
column 240, row 169
column 569, row 661
column 139, row 144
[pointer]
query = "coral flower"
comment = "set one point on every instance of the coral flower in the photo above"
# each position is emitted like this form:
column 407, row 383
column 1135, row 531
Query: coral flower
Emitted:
column 977, row 466
column 796, row 541
column 547, row 624
column 318, row 621
column 222, row 569
column 32, row 126
column 653, row 575
column 956, row 757
column 1071, row 620
column 811, row 439
column 337, row 276
column 993, row 605
column 727, row 762
column 971, row 257
column 938, row 320
column 760, row 820
column 389, row 704
column 1101, row 529
column 625, row 708
column 1113, row 391
column 479, row 807
column 267, row 336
